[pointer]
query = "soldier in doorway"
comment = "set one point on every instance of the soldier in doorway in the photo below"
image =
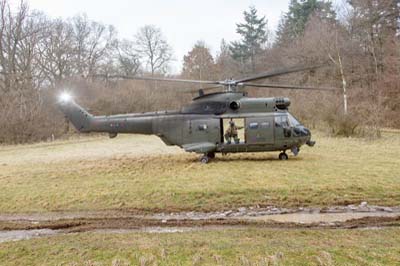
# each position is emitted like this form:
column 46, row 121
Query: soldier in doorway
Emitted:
column 232, row 133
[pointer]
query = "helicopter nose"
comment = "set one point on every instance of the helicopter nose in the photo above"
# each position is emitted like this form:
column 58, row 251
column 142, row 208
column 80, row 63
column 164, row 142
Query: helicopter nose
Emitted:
column 305, row 132
column 302, row 131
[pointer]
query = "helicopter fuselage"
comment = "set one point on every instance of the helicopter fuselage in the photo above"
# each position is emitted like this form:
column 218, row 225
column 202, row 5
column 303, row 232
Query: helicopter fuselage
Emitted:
column 265, row 124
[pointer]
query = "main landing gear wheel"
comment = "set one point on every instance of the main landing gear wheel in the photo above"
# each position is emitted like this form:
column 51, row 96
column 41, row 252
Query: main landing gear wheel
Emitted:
column 204, row 159
column 207, row 157
column 283, row 156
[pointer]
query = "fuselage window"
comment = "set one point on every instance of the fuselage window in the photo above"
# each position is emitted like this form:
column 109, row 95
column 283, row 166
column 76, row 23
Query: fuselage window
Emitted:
column 253, row 125
column 265, row 125
column 203, row 127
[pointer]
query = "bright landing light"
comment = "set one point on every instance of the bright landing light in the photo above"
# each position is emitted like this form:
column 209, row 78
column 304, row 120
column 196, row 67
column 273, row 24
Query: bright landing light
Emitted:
column 65, row 97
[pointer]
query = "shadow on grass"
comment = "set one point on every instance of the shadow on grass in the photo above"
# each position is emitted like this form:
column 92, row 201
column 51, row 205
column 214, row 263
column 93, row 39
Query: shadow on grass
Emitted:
column 255, row 159
column 241, row 158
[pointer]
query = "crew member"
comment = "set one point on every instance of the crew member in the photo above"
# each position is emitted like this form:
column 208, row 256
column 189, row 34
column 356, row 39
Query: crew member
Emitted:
column 232, row 132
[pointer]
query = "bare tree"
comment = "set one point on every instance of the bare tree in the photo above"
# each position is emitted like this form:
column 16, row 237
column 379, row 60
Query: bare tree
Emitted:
column 22, row 113
column 199, row 63
column 56, row 52
column 20, row 33
column 153, row 48
column 11, row 35
column 128, row 60
column 92, row 42
column 226, row 65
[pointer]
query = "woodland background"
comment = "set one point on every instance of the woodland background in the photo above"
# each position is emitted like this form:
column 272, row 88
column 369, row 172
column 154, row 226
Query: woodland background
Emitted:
column 359, row 40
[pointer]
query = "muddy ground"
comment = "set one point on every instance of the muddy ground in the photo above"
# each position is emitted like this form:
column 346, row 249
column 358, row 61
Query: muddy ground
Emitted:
column 24, row 226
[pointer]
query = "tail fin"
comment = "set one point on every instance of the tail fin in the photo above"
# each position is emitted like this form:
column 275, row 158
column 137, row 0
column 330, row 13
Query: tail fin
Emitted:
column 78, row 116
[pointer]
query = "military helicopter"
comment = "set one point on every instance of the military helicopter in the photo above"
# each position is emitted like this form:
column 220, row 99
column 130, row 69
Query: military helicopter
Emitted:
column 200, row 127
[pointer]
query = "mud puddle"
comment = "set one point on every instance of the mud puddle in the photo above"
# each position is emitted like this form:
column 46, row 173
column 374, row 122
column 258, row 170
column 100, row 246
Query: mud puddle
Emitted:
column 342, row 212
column 289, row 215
column 55, row 216
column 16, row 235
column 320, row 218
column 280, row 214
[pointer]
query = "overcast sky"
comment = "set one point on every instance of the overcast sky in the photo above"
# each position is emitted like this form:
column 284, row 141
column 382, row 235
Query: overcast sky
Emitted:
column 182, row 22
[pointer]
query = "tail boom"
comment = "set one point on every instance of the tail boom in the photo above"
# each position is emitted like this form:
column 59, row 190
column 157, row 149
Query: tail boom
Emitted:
column 85, row 122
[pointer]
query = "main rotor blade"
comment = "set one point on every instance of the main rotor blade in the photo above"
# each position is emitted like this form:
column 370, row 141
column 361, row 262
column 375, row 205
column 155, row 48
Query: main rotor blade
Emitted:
column 212, row 87
column 160, row 79
column 204, row 89
column 290, row 87
column 279, row 72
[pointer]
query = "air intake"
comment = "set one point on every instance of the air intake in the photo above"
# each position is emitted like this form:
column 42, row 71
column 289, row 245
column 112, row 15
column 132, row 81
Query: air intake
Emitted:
column 282, row 103
column 234, row 105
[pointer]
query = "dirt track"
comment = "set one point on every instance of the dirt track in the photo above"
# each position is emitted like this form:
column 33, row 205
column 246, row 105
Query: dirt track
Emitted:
column 23, row 226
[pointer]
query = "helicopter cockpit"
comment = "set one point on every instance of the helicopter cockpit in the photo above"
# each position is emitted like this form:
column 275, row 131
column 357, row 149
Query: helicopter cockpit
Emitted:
column 291, row 126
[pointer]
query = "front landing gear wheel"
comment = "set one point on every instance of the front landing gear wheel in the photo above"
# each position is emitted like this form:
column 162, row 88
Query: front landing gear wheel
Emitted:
column 283, row 156
column 205, row 159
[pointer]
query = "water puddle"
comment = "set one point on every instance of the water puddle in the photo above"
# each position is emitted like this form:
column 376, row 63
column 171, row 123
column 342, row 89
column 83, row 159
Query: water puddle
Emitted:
column 55, row 216
column 16, row 235
column 284, row 214
column 310, row 218
column 151, row 230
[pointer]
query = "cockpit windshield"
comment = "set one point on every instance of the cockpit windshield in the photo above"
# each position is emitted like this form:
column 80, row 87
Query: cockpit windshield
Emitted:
column 293, row 121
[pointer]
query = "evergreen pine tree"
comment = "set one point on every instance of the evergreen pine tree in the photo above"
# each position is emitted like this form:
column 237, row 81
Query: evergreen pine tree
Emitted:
column 254, row 36
column 293, row 23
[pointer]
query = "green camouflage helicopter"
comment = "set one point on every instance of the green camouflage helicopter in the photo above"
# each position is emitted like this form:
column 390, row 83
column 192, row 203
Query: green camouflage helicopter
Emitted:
column 211, row 121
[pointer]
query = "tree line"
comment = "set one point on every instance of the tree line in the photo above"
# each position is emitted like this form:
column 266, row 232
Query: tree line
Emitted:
column 359, row 41
column 40, row 55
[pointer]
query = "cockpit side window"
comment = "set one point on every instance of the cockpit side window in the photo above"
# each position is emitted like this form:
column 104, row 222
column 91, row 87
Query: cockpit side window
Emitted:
column 285, row 121
column 293, row 121
column 281, row 121
column 278, row 121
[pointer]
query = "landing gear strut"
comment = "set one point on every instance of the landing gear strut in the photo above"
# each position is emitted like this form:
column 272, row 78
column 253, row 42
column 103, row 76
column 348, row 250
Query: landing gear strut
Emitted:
column 207, row 157
column 283, row 156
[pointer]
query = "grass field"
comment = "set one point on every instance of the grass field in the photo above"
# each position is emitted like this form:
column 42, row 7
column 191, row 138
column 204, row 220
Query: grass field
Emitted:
column 141, row 173
column 226, row 247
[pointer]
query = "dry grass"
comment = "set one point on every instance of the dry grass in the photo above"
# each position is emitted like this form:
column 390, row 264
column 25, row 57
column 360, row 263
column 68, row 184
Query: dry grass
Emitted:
column 226, row 247
column 139, row 172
